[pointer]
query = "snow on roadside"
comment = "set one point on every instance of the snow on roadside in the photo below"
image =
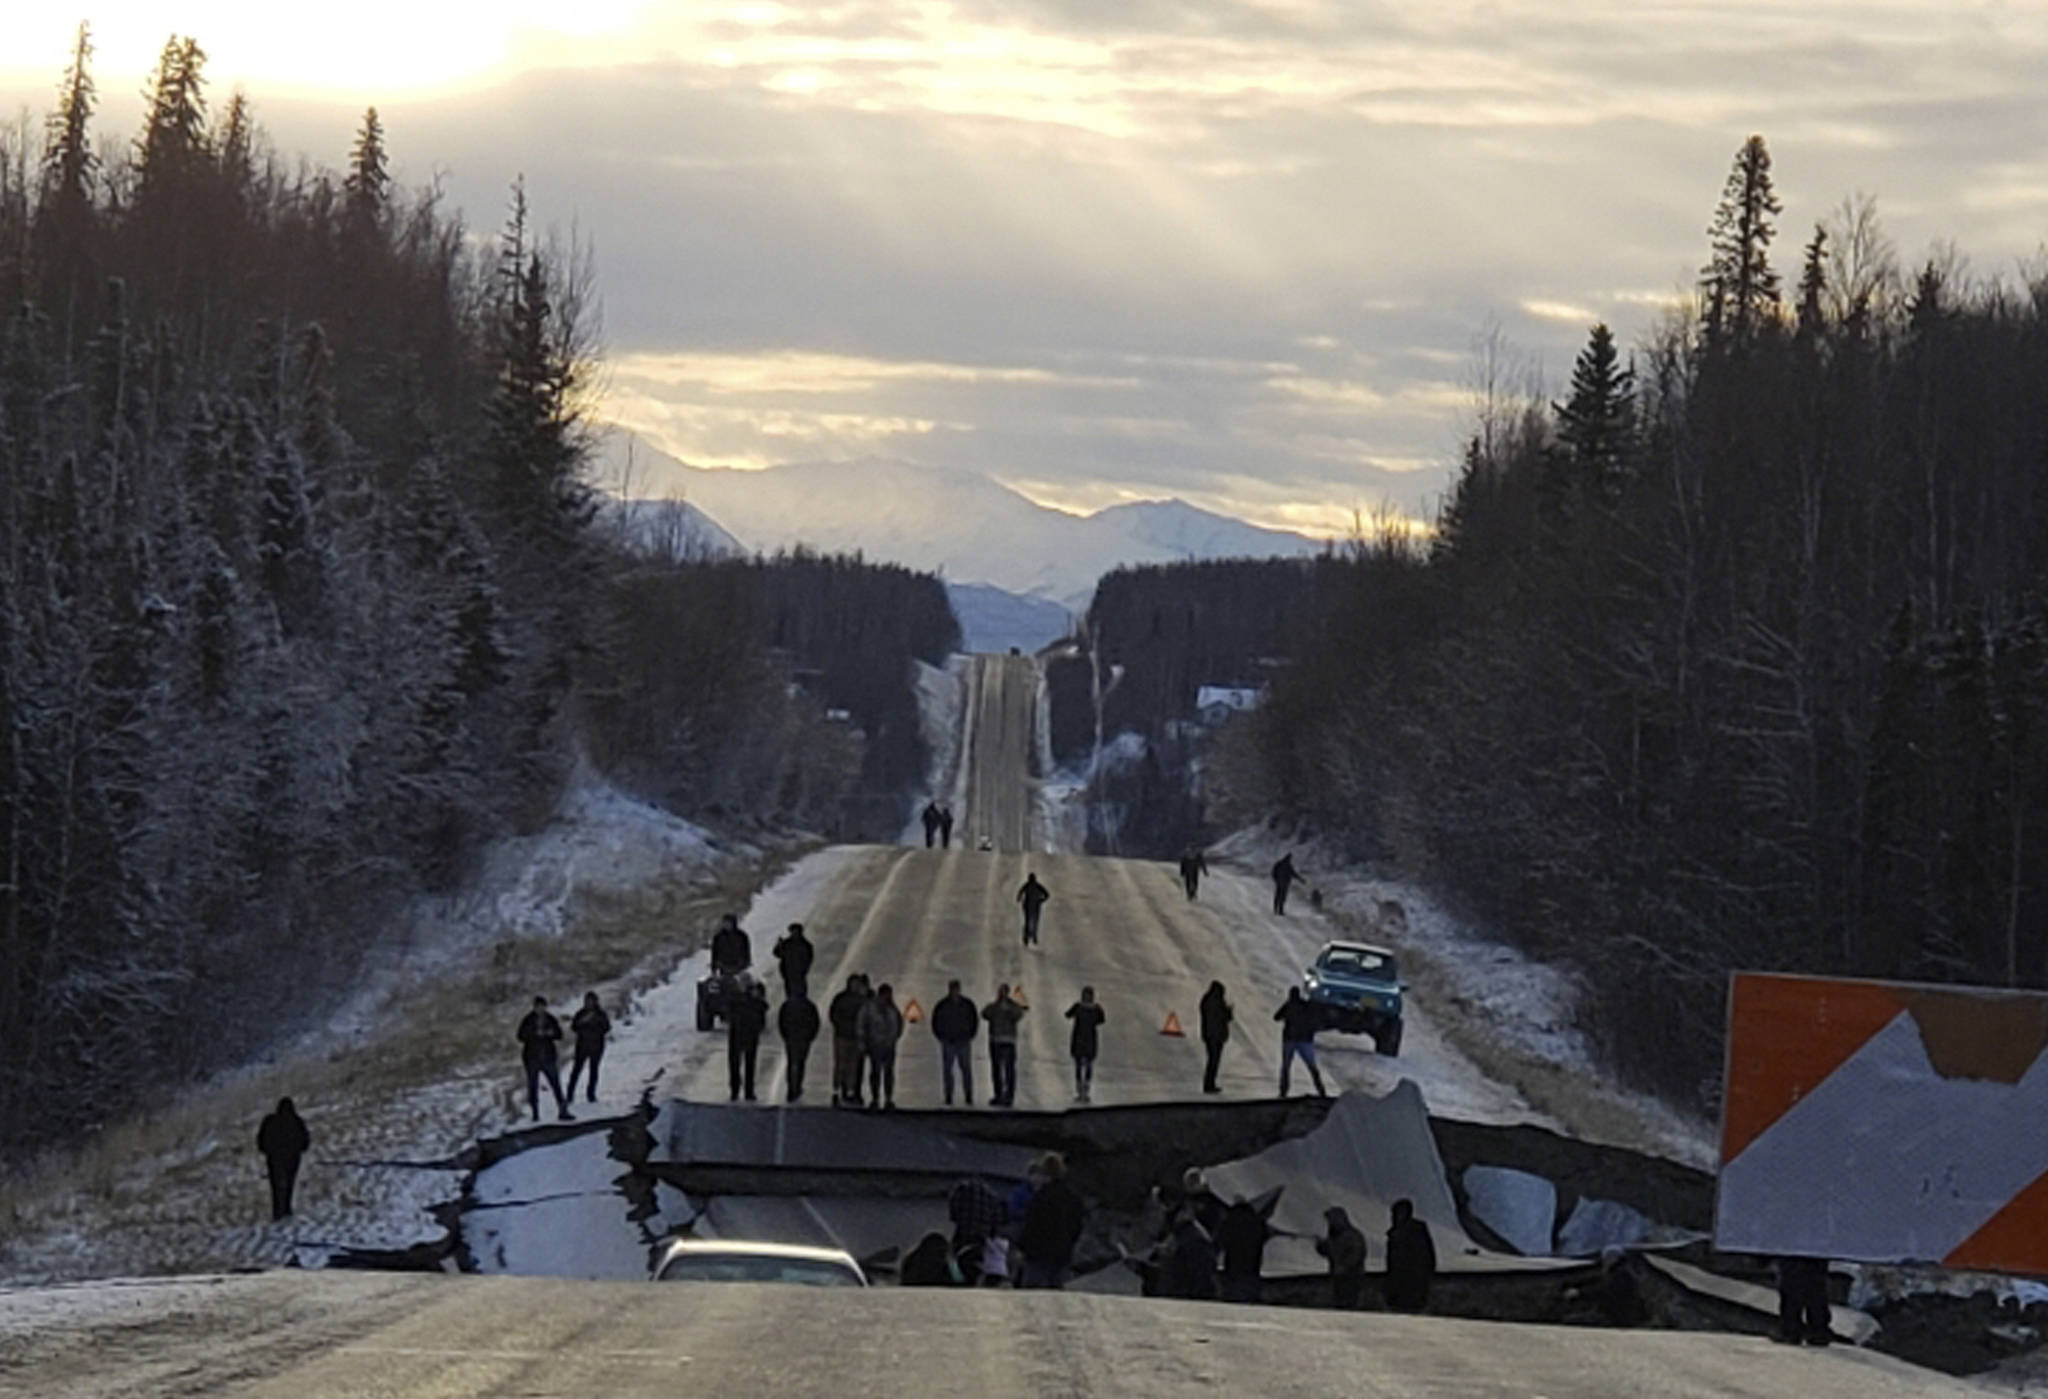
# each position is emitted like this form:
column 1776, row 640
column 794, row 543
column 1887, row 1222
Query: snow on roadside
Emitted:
column 941, row 707
column 1488, row 997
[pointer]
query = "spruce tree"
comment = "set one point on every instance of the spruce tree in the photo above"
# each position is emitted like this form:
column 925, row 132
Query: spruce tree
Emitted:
column 1740, row 289
column 368, row 183
column 1597, row 422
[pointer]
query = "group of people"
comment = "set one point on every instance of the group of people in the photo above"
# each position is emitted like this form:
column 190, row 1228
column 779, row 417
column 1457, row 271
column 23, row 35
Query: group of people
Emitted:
column 1206, row 1250
column 938, row 826
column 1025, row 1239
column 540, row 1038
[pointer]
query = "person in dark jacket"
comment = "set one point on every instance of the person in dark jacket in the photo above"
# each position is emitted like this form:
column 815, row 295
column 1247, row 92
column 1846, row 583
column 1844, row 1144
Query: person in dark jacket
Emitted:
column 744, row 1026
column 539, row 1034
column 283, row 1139
column 731, row 949
column 1284, row 875
column 1241, row 1240
column 955, row 1022
column 797, row 1022
column 794, row 954
column 1188, row 1268
column 590, row 1027
column 930, row 1264
column 931, row 824
column 1344, row 1245
column 1299, row 1020
column 1002, row 1015
column 1032, row 895
column 881, row 1026
column 1803, row 1312
column 844, row 1013
column 1052, row 1226
column 1216, row 1018
column 1085, row 1040
column 945, row 828
column 1411, row 1260
column 1193, row 865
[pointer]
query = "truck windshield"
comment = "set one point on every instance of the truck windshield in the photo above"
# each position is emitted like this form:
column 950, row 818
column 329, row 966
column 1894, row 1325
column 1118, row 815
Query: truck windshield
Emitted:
column 1352, row 961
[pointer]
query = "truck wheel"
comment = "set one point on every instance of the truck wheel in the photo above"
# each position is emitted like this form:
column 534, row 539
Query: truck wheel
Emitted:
column 1388, row 1041
column 706, row 1017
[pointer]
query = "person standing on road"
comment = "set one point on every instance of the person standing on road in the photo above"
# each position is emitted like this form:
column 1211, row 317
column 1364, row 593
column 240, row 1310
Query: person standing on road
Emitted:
column 539, row 1034
column 1803, row 1312
column 844, row 1013
column 1241, row 1240
column 797, row 1023
column 745, row 1024
column 1299, row 1020
column 1193, row 865
column 955, row 1022
column 945, row 828
column 283, row 1139
column 931, row 824
column 732, row 951
column 1284, row 875
column 794, row 955
column 1216, row 1016
column 1002, row 1015
column 1085, row 1040
column 1032, row 895
column 1411, row 1260
column 1344, row 1246
column 1052, row 1226
column 881, row 1026
column 589, row 1027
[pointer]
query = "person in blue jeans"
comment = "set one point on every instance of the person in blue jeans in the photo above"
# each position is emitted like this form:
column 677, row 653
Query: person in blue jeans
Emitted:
column 955, row 1022
column 1299, row 1020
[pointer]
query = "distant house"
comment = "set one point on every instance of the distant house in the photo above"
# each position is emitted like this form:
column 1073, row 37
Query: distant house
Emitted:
column 1215, row 703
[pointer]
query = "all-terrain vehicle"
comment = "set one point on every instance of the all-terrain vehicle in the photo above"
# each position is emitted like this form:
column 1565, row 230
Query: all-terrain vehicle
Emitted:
column 1358, row 990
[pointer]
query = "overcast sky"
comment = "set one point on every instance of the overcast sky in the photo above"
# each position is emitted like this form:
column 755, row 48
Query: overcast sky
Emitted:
column 1237, row 251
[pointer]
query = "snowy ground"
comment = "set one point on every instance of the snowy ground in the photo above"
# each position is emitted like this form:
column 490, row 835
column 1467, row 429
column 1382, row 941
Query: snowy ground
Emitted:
column 412, row 1069
column 941, row 701
column 1515, row 1020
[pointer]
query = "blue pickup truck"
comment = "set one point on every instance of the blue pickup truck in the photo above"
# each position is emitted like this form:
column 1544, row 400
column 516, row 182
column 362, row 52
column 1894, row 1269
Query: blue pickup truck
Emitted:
column 1358, row 989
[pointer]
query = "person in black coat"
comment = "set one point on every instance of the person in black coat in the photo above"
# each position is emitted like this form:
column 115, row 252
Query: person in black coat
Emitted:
column 283, row 1139
column 731, row 949
column 1803, row 1312
column 931, row 824
column 844, row 1012
column 794, row 955
column 945, row 828
column 539, row 1035
column 1052, row 1226
column 798, row 1024
column 1193, row 865
column 1216, row 1016
column 955, row 1022
column 589, row 1027
column 1033, row 896
column 1284, row 875
column 1086, row 1039
column 1241, row 1240
column 1411, row 1260
column 749, row 1017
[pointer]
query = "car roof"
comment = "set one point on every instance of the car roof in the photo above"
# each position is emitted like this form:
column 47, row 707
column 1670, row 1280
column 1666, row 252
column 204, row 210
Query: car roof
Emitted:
column 753, row 1248
column 1329, row 947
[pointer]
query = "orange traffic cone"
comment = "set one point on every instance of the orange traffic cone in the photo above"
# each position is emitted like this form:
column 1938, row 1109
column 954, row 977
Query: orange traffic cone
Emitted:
column 913, row 1012
column 1172, row 1026
column 1017, row 995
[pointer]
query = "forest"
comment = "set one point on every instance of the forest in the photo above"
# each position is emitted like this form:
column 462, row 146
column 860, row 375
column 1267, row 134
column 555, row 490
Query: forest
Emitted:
column 1734, row 657
column 301, row 599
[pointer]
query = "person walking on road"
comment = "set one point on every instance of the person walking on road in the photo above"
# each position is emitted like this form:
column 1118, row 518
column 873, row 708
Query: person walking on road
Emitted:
column 1299, row 1020
column 945, row 828
column 1002, row 1015
column 1052, row 1226
column 745, row 1024
column 797, row 1023
column 539, row 1034
column 1803, row 1312
column 881, row 1026
column 1193, row 865
column 1085, row 1040
column 590, row 1027
column 284, row 1141
column 794, row 955
column 844, row 1013
column 1032, row 895
column 955, row 1022
column 931, row 824
column 1216, row 1016
column 1344, row 1245
column 732, row 951
column 1284, row 875
column 1411, row 1260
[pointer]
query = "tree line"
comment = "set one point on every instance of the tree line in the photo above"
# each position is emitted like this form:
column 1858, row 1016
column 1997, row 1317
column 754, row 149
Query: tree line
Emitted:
column 300, row 597
column 1735, row 657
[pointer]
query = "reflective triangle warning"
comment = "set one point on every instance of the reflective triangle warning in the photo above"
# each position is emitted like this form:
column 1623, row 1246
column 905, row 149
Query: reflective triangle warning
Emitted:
column 1017, row 995
column 913, row 1012
column 1172, row 1026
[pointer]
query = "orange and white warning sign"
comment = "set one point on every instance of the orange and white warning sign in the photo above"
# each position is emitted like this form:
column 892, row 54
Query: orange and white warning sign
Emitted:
column 1172, row 1026
column 913, row 1013
column 1885, row 1122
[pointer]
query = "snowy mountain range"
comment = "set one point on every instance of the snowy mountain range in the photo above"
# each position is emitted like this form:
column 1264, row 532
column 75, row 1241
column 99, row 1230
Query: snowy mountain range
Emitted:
column 960, row 524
